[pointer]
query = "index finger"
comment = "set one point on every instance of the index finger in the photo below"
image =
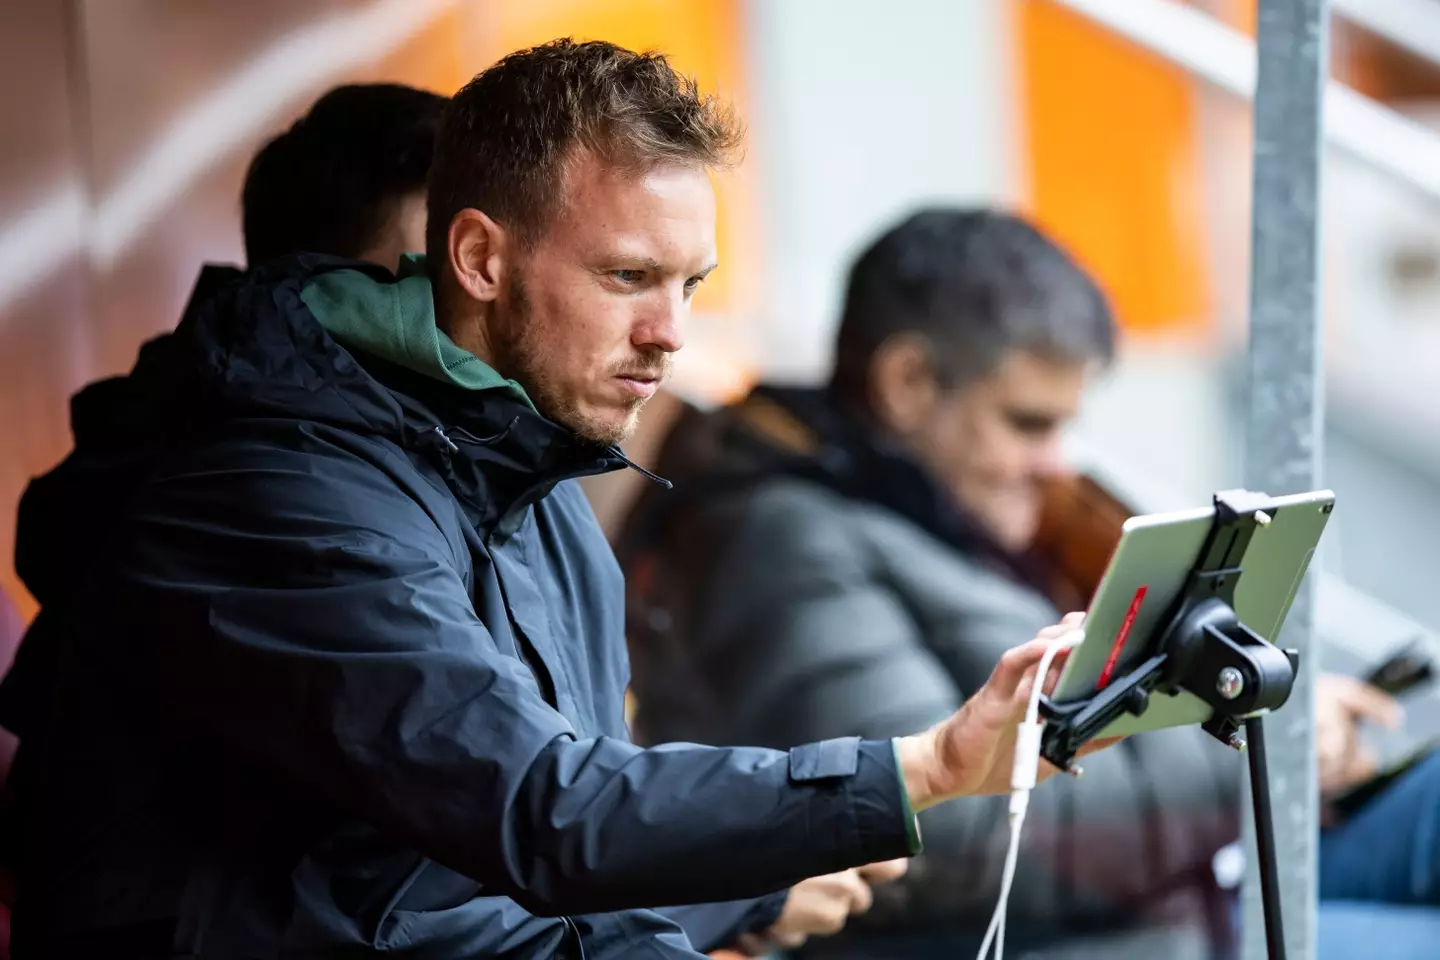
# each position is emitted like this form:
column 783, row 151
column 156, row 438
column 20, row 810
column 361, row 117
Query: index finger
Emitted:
column 884, row 871
column 1015, row 665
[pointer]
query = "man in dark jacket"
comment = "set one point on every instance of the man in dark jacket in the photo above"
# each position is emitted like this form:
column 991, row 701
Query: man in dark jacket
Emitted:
column 344, row 672
column 344, row 180
column 348, row 178
column 877, row 528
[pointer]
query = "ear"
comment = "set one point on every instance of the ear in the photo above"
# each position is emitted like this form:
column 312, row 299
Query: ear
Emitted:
column 480, row 252
column 902, row 384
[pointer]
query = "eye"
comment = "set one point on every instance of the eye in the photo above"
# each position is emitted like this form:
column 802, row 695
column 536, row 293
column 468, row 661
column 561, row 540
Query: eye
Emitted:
column 628, row 277
column 693, row 284
column 1033, row 424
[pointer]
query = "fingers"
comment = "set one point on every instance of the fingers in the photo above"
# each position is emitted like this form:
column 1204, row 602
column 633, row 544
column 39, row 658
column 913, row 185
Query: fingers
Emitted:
column 844, row 895
column 1057, row 667
column 785, row 941
column 857, row 893
column 820, row 906
column 1369, row 703
column 1014, row 668
column 1021, row 692
column 1017, row 662
column 1363, row 766
column 884, row 872
column 1069, row 623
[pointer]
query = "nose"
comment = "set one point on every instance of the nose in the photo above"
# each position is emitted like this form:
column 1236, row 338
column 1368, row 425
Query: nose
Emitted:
column 1050, row 456
column 661, row 327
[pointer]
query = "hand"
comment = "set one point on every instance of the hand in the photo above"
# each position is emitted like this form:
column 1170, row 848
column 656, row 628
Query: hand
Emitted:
column 1341, row 702
column 973, row 751
column 821, row 906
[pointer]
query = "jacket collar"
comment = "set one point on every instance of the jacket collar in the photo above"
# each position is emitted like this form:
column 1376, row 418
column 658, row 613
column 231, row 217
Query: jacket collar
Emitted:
column 256, row 346
column 821, row 441
column 496, row 452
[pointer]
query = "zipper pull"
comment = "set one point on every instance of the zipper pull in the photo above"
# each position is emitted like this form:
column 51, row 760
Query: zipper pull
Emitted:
column 449, row 444
column 619, row 454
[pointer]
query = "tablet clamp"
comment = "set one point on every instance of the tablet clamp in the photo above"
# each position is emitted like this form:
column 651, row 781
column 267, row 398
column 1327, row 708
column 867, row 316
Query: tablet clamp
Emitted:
column 1201, row 647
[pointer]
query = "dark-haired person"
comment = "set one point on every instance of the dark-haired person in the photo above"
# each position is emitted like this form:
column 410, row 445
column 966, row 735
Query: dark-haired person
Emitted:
column 876, row 527
column 345, row 674
column 345, row 180
column 348, row 179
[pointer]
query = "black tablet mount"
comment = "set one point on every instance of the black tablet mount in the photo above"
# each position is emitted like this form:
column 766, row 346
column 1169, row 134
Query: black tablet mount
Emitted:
column 1201, row 647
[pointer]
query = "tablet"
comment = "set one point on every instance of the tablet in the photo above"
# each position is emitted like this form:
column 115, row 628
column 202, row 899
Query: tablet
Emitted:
column 1147, row 574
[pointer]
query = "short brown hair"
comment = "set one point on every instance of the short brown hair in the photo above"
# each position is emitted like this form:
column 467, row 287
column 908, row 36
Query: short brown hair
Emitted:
column 505, row 137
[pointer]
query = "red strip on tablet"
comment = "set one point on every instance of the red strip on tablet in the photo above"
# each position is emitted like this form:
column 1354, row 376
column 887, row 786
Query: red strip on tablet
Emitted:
column 1120, row 638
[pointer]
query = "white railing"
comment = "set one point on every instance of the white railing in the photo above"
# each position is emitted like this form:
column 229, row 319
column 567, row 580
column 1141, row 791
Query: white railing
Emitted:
column 1225, row 58
column 1412, row 24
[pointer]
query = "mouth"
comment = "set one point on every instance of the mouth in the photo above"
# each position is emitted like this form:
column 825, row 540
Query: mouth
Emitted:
column 640, row 385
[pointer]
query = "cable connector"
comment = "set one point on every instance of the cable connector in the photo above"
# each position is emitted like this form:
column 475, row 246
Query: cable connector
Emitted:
column 1027, row 756
column 1024, row 773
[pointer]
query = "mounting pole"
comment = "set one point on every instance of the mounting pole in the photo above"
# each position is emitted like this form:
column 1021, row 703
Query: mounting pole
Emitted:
column 1286, row 414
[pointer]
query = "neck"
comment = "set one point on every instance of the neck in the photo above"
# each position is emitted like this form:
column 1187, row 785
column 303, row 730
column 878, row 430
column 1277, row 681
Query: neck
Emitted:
column 465, row 322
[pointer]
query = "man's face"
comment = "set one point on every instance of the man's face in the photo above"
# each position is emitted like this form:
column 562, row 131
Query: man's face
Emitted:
column 593, row 313
column 404, row 232
column 993, row 441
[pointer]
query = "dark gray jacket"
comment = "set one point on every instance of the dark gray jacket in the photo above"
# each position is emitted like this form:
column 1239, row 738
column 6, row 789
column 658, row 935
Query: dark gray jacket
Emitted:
column 333, row 666
column 803, row 581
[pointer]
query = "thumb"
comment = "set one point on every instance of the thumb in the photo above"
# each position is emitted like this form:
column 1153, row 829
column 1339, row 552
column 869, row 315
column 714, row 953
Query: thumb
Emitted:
column 856, row 891
column 883, row 872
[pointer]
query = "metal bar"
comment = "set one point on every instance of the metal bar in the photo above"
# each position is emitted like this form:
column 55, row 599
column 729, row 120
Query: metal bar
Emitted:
column 1224, row 57
column 1285, row 422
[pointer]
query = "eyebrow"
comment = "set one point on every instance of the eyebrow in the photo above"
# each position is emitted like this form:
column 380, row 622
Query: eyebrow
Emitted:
column 650, row 263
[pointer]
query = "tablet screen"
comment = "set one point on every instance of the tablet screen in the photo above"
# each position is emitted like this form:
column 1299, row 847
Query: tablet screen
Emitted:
column 1148, row 573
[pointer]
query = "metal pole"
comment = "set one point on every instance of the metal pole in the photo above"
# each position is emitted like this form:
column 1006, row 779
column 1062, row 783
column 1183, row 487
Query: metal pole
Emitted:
column 1285, row 422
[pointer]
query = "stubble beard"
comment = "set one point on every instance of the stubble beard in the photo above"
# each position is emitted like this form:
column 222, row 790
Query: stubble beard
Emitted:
column 522, row 354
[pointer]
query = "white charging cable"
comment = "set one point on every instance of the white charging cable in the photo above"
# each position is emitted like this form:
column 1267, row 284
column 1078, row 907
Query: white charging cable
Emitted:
column 1022, row 781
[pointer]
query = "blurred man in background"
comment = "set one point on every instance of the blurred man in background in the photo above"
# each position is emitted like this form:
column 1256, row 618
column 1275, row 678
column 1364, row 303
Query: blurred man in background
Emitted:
column 880, row 532
column 344, row 180
column 347, row 179
column 877, row 530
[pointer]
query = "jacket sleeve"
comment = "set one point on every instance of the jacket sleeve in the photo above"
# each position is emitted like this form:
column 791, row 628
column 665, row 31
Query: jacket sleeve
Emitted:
column 713, row 926
column 304, row 610
column 833, row 645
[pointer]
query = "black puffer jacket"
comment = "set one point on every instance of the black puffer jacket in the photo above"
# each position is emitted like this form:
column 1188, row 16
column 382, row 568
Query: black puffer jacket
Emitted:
column 874, row 606
column 331, row 664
